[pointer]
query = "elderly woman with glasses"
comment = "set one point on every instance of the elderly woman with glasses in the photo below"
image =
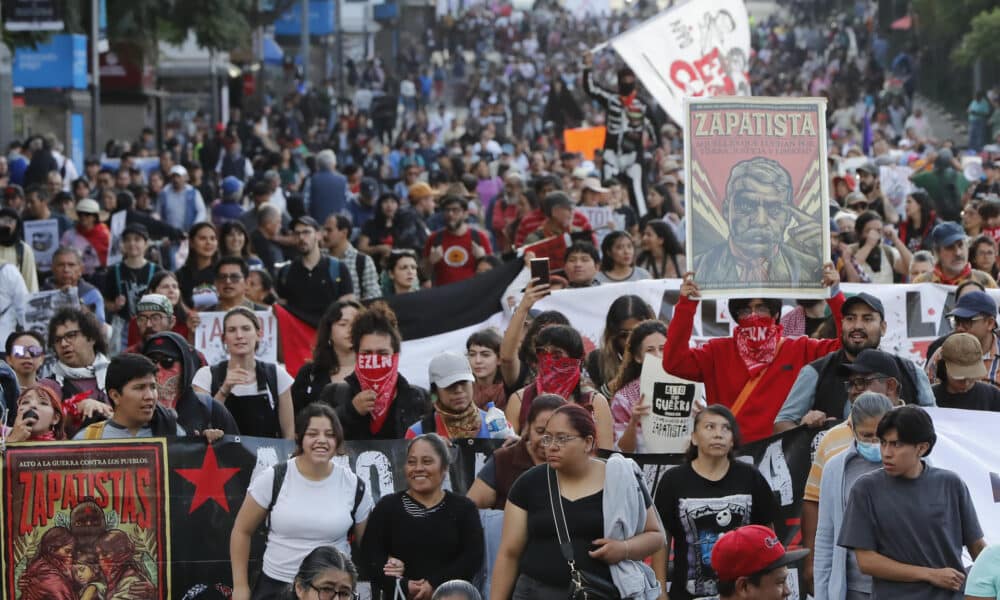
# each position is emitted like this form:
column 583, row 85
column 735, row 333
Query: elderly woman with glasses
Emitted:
column 325, row 574
column 606, row 546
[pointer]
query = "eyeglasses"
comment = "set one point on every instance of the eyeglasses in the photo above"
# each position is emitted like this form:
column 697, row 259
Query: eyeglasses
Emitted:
column 167, row 362
column 155, row 319
column 69, row 336
column 326, row 593
column 557, row 441
column 26, row 351
column 861, row 383
column 961, row 321
column 230, row 277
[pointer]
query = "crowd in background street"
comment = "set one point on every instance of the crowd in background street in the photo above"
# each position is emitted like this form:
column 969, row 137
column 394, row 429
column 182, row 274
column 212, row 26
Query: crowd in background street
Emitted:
column 331, row 199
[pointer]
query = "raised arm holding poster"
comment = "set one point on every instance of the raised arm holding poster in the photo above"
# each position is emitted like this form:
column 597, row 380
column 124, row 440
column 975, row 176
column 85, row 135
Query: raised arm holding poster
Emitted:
column 758, row 196
column 698, row 49
column 667, row 428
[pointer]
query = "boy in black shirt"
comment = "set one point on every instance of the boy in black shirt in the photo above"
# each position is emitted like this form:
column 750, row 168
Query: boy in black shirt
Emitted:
column 128, row 280
column 312, row 282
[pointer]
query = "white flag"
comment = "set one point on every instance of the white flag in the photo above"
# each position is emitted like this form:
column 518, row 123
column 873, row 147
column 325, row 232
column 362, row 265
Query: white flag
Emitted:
column 698, row 49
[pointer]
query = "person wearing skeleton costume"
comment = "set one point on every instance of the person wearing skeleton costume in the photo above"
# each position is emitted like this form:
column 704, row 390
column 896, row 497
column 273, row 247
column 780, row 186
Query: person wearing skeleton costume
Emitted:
column 627, row 118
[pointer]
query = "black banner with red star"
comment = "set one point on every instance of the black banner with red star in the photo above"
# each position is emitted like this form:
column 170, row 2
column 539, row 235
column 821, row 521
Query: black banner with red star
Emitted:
column 151, row 519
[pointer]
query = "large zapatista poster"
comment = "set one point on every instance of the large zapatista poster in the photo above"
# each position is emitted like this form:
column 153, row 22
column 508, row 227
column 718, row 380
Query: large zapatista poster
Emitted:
column 757, row 195
column 86, row 520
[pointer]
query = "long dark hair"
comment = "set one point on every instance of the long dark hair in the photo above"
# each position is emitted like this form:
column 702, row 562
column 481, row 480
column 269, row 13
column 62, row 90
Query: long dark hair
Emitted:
column 607, row 261
column 874, row 259
column 321, row 410
column 924, row 201
column 227, row 228
column 191, row 261
column 671, row 246
column 324, row 357
column 622, row 309
column 378, row 216
column 722, row 411
column 526, row 353
column 631, row 368
column 180, row 309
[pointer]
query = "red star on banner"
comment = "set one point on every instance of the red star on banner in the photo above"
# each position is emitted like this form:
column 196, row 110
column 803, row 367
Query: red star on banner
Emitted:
column 209, row 481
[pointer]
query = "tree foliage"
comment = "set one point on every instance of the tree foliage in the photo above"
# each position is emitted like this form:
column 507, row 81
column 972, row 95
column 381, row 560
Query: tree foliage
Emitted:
column 216, row 24
column 982, row 40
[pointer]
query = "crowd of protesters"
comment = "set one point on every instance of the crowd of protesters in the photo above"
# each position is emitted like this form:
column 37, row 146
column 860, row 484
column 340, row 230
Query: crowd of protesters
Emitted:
column 331, row 201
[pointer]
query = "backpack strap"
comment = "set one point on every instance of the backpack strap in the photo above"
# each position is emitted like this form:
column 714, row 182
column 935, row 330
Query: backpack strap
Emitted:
column 269, row 381
column 118, row 278
column 359, row 267
column 95, row 431
column 218, row 372
column 19, row 248
column 359, row 495
column 280, row 470
column 333, row 269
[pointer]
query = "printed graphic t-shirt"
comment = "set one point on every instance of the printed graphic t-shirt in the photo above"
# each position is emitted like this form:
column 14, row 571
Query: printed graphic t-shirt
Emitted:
column 459, row 261
column 696, row 511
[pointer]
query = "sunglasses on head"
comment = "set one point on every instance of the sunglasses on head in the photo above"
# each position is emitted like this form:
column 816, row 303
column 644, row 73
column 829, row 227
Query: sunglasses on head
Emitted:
column 26, row 351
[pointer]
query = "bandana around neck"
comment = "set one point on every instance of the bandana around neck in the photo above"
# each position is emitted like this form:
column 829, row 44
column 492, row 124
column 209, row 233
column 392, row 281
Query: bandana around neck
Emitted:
column 757, row 339
column 953, row 280
column 378, row 373
column 557, row 375
column 464, row 424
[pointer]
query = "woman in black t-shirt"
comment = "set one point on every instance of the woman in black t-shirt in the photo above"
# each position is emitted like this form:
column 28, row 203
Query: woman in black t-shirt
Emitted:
column 419, row 538
column 529, row 564
column 710, row 494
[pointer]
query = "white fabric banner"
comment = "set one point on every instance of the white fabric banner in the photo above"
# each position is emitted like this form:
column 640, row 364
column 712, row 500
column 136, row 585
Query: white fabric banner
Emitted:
column 966, row 444
column 697, row 49
column 914, row 314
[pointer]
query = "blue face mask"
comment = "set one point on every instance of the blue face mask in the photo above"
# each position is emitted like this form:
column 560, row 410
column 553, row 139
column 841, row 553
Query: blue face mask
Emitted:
column 870, row 451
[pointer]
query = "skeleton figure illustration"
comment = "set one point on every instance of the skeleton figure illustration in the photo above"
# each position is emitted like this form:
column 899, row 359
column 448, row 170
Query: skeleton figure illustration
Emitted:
column 704, row 520
column 627, row 118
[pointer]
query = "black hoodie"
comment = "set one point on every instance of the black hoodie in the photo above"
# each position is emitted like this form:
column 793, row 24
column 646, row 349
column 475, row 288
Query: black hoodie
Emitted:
column 195, row 412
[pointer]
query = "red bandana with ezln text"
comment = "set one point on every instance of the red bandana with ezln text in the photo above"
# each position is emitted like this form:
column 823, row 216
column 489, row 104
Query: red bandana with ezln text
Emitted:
column 378, row 372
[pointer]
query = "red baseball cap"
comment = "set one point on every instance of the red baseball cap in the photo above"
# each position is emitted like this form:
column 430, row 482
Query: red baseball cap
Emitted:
column 748, row 550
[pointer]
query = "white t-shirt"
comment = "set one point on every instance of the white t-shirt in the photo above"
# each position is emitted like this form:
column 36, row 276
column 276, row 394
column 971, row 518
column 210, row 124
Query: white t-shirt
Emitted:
column 308, row 514
column 203, row 379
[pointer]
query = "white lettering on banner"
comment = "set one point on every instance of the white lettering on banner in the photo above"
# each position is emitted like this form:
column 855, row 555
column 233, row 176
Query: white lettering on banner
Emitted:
column 363, row 466
column 208, row 337
column 697, row 49
column 774, row 468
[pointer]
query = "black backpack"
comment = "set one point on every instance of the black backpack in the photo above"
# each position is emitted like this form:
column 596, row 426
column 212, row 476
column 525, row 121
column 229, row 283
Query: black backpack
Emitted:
column 281, row 470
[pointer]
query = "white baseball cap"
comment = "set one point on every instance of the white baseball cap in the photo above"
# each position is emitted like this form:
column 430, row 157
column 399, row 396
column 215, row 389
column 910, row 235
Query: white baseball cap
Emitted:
column 448, row 368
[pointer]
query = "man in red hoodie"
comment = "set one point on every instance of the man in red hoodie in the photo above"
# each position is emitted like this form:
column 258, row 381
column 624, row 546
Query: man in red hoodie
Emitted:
column 751, row 372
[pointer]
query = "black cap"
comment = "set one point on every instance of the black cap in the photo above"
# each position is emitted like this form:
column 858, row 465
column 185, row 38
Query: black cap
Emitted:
column 867, row 299
column 304, row 220
column 137, row 229
column 162, row 344
column 871, row 361
column 369, row 187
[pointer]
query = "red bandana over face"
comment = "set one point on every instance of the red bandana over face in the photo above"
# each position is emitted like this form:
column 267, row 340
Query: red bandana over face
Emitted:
column 379, row 373
column 557, row 374
column 757, row 340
